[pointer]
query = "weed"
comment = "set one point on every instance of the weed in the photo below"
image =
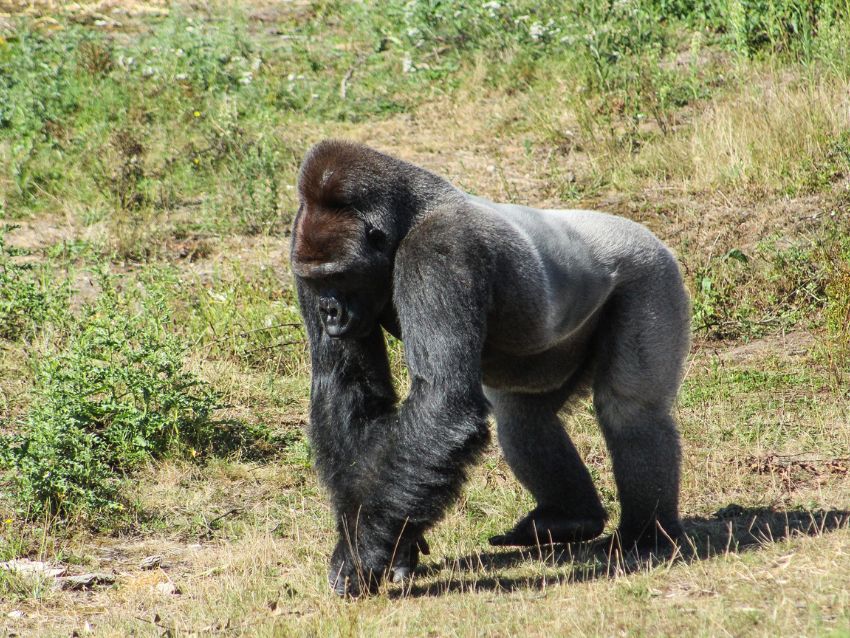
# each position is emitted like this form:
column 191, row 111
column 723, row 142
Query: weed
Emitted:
column 717, row 310
column 249, row 317
column 836, row 255
column 198, row 55
column 256, row 196
column 113, row 397
column 126, row 179
column 16, row 586
column 30, row 295
column 779, row 285
column 95, row 57
column 37, row 82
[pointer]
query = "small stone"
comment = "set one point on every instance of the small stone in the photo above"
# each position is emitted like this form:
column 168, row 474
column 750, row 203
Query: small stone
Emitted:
column 15, row 614
column 84, row 581
column 151, row 562
column 168, row 589
column 36, row 567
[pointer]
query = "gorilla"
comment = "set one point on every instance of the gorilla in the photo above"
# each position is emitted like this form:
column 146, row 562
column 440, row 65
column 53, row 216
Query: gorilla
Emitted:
column 503, row 309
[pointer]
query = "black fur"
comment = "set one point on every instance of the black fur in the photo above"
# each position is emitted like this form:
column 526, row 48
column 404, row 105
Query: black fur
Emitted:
column 485, row 297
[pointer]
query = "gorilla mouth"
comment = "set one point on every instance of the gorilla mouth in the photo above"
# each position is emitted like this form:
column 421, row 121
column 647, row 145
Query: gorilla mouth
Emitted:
column 335, row 331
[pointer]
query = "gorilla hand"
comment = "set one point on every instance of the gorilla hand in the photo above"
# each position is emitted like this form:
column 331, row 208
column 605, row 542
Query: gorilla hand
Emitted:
column 350, row 575
column 407, row 559
column 353, row 575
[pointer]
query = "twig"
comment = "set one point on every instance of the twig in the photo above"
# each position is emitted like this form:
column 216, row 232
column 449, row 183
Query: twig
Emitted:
column 241, row 334
column 230, row 512
column 272, row 346
column 248, row 332
column 343, row 85
column 208, row 534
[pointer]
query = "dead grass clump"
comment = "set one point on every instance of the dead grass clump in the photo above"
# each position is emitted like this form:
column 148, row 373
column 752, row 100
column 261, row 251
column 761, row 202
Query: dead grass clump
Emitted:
column 773, row 134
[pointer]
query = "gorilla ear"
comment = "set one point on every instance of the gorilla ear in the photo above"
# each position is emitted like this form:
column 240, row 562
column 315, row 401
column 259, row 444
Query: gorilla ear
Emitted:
column 376, row 237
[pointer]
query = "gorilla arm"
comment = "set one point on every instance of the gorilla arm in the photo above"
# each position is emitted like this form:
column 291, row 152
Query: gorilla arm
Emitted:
column 352, row 407
column 392, row 471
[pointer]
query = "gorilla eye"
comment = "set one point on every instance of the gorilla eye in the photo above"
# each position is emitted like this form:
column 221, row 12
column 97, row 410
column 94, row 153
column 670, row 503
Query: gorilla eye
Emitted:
column 377, row 238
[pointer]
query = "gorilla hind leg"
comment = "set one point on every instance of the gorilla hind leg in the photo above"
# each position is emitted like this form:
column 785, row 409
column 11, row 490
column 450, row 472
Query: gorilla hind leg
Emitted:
column 545, row 461
column 645, row 454
column 643, row 346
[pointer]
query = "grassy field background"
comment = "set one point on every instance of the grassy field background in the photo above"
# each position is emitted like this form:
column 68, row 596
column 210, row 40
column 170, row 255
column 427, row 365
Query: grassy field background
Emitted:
column 153, row 371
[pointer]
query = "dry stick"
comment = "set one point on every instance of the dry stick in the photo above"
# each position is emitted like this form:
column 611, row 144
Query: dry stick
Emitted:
column 676, row 550
column 343, row 85
column 274, row 345
column 244, row 333
column 230, row 512
column 355, row 553
column 729, row 538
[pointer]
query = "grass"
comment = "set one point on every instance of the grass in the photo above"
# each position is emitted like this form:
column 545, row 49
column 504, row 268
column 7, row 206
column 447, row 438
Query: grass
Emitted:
column 151, row 155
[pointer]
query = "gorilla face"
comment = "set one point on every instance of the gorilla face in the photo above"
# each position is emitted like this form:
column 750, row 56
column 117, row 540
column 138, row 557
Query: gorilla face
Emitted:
column 344, row 260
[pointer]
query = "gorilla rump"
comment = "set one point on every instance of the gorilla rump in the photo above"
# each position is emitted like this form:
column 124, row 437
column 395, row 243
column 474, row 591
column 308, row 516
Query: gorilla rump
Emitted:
column 501, row 308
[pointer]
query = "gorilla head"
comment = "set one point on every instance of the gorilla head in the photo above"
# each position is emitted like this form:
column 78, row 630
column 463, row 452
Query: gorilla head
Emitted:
column 344, row 245
column 345, row 261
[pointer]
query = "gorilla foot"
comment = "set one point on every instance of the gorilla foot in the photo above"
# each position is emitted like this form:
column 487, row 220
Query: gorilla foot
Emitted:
column 544, row 525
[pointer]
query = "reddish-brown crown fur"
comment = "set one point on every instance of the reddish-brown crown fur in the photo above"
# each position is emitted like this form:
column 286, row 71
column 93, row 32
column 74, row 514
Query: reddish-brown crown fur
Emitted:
column 336, row 174
column 323, row 235
column 327, row 228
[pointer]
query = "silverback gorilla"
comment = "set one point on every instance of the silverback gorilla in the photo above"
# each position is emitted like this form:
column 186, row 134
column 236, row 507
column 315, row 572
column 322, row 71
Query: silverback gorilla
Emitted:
column 501, row 308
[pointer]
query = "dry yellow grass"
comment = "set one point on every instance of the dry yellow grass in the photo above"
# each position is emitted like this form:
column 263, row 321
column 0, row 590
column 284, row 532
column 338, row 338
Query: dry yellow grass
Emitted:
column 246, row 544
column 84, row 7
column 754, row 138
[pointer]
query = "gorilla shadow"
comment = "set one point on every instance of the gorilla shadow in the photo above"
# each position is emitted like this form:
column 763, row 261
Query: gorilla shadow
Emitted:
column 733, row 529
column 249, row 442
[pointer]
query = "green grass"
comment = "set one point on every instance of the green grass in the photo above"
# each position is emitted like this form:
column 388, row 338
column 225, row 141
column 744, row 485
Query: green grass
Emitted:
column 30, row 294
column 154, row 376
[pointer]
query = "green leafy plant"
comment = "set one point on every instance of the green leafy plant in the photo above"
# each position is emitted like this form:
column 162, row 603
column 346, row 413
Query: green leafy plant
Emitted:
column 29, row 294
column 255, row 176
column 116, row 395
column 716, row 308
column 245, row 315
column 837, row 258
